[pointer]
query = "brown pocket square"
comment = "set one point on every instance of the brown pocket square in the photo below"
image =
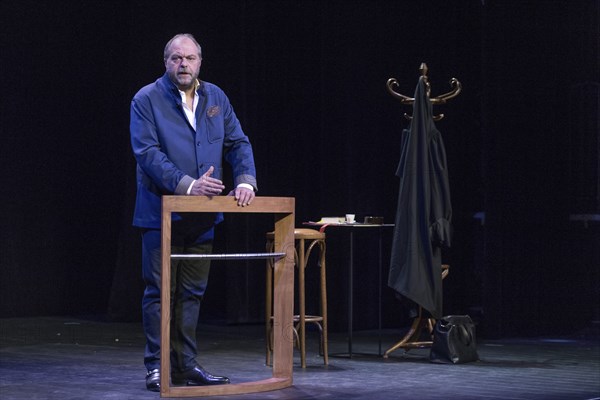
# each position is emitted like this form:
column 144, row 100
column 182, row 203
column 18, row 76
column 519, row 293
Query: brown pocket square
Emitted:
column 212, row 111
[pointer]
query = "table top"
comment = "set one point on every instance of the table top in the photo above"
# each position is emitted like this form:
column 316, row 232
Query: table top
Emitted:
column 346, row 224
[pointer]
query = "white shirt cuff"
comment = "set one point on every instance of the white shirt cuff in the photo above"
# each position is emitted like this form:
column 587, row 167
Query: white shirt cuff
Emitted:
column 190, row 188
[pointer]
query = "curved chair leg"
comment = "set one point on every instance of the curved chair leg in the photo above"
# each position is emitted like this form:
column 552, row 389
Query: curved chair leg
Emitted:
column 324, row 303
column 413, row 333
column 301, row 303
column 269, row 306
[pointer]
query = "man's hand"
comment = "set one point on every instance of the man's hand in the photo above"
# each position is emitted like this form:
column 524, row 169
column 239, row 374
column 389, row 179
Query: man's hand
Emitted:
column 244, row 196
column 207, row 185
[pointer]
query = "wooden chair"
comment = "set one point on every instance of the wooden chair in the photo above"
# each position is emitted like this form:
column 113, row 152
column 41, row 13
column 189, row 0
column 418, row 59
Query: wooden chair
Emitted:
column 306, row 240
column 412, row 339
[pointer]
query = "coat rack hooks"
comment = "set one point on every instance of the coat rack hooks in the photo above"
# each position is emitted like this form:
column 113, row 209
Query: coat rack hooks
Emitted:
column 441, row 99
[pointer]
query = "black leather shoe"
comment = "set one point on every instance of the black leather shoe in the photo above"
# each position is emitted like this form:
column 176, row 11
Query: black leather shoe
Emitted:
column 197, row 376
column 153, row 380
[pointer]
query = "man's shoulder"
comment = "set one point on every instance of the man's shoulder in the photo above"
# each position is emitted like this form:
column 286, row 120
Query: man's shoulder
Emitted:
column 210, row 89
column 157, row 86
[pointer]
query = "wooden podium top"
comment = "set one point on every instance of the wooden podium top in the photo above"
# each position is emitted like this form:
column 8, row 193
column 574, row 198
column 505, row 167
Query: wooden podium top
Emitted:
column 227, row 204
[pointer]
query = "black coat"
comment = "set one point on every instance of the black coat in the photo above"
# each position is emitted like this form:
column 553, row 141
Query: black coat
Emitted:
column 423, row 217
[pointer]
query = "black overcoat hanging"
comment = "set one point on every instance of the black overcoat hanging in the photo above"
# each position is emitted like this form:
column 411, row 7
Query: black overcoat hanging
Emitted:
column 423, row 216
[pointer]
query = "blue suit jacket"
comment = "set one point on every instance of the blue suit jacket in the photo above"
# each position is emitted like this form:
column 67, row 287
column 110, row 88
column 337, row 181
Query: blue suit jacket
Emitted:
column 170, row 154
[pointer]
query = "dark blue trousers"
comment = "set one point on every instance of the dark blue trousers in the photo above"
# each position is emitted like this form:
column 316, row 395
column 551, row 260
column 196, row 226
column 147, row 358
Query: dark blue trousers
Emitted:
column 188, row 284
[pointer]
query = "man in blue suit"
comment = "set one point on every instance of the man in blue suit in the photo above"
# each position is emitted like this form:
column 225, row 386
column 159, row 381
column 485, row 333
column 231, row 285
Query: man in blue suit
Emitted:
column 181, row 131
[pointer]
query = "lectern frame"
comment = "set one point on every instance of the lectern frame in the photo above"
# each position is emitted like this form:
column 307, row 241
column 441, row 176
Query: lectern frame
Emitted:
column 283, row 209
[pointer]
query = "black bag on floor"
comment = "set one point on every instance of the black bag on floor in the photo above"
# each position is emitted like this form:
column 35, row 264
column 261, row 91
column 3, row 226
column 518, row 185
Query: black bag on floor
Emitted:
column 454, row 340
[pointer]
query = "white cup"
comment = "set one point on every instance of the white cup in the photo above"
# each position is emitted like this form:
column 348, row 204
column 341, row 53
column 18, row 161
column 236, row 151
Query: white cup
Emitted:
column 350, row 218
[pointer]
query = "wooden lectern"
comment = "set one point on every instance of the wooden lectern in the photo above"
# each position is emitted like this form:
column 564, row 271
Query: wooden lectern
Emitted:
column 283, row 209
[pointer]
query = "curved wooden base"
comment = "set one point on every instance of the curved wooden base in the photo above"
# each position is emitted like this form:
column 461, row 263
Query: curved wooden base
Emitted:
column 222, row 390
column 411, row 339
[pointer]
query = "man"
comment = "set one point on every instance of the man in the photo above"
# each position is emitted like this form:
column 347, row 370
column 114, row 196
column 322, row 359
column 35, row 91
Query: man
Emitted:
column 181, row 130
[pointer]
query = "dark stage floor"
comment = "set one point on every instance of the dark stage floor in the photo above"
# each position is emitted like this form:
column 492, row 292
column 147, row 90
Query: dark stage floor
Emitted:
column 61, row 358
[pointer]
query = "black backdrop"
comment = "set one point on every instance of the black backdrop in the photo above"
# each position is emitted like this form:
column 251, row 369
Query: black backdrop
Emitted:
column 307, row 80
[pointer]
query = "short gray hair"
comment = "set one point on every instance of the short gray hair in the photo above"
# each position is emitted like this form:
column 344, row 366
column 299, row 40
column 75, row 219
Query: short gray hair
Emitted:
column 179, row 35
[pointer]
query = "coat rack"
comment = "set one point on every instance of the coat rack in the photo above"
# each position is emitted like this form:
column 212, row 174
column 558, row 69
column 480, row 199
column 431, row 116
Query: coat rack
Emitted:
column 441, row 99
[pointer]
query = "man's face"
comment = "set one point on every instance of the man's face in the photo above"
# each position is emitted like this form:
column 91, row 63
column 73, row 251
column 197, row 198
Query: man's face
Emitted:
column 183, row 63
